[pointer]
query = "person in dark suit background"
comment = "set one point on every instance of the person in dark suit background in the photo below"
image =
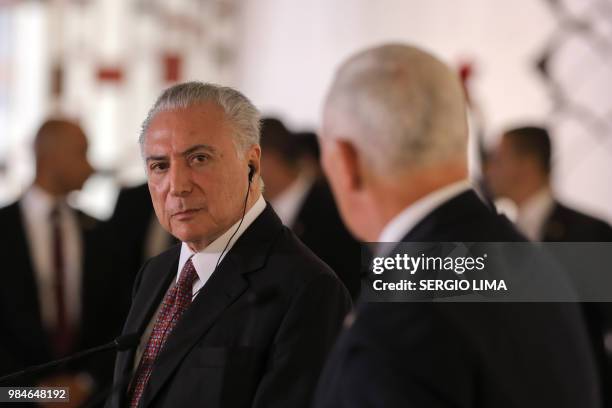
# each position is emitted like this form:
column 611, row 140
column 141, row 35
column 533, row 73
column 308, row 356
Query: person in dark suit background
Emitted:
column 241, row 313
column 304, row 202
column 54, row 296
column 137, row 234
column 310, row 152
column 393, row 145
column 520, row 170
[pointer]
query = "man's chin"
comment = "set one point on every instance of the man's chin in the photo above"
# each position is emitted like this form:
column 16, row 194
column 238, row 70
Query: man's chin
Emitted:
column 189, row 235
column 186, row 236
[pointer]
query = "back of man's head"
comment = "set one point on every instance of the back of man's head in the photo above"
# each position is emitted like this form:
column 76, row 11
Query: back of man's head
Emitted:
column 401, row 106
column 52, row 134
column 60, row 149
column 394, row 130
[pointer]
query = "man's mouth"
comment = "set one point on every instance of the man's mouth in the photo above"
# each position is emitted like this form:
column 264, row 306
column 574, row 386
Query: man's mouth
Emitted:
column 186, row 213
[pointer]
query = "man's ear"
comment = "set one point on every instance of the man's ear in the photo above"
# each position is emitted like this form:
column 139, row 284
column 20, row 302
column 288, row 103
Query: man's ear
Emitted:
column 253, row 159
column 349, row 165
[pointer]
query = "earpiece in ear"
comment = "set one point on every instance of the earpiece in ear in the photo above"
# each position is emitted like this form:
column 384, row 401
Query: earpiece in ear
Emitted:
column 251, row 172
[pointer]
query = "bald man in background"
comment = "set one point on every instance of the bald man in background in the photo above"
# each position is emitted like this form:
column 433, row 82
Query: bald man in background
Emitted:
column 55, row 283
column 393, row 146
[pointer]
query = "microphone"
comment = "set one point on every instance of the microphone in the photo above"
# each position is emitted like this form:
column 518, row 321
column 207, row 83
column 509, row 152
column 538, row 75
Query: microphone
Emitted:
column 121, row 343
column 127, row 341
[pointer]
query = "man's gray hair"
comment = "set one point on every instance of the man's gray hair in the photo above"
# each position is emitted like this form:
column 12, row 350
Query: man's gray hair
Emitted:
column 400, row 106
column 240, row 111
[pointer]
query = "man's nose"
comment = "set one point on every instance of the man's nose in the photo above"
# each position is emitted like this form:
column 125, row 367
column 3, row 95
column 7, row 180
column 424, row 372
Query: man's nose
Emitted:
column 180, row 181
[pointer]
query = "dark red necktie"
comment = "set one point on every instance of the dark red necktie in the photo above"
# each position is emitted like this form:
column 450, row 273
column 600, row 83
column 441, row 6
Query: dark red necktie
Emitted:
column 176, row 301
column 62, row 335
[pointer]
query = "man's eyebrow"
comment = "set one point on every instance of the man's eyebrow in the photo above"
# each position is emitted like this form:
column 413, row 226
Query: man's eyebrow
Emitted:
column 155, row 158
column 197, row 147
column 187, row 152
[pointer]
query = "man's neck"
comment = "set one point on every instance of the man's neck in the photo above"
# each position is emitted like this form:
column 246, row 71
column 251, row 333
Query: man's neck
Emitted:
column 287, row 178
column 48, row 186
column 527, row 191
column 401, row 195
column 49, row 189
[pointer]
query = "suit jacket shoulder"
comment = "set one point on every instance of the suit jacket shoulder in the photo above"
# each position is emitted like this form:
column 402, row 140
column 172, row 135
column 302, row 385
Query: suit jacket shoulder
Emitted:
column 566, row 224
column 464, row 218
column 441, row 354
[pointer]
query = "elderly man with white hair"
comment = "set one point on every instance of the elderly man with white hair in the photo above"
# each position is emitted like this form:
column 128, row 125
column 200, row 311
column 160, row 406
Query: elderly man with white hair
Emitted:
column 393, row 146
column 240, row 313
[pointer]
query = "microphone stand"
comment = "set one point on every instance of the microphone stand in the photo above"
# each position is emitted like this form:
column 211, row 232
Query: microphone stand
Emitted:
column 120, row 343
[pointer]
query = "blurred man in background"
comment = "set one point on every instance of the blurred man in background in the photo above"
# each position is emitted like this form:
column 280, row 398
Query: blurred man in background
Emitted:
column 55, row 287
column 304, row 202
column 520, row 170
column 393, row 145
column 137, row 234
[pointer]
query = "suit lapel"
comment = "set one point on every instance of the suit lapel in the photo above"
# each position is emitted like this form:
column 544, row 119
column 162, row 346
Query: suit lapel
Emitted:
column 223, row 288
column 148, row 297
column 26, row 283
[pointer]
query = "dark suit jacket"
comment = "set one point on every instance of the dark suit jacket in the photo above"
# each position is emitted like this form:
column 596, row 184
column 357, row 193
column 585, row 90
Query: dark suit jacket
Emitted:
column 256, row 335
column 431, row 354
column 319, row 226
column 567, row 225
column 24, row 341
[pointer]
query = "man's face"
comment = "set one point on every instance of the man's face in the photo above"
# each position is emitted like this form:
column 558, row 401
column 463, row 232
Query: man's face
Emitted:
column 198, row 183
column 505, row 169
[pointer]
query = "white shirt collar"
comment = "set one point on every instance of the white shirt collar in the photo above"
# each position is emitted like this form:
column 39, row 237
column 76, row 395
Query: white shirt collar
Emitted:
column 408, row 218
column 205, row 260
column 38, row 202
column 532, row 215
column 288, row 203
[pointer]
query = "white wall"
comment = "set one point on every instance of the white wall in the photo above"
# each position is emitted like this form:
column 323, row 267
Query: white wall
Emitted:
column 290, row 48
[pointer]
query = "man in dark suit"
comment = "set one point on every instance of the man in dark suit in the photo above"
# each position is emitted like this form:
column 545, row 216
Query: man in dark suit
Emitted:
column 241, row 313
column 137, row 235
column 394, row 149
column 520, row 170
column 304, row 202
column 54, row 296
